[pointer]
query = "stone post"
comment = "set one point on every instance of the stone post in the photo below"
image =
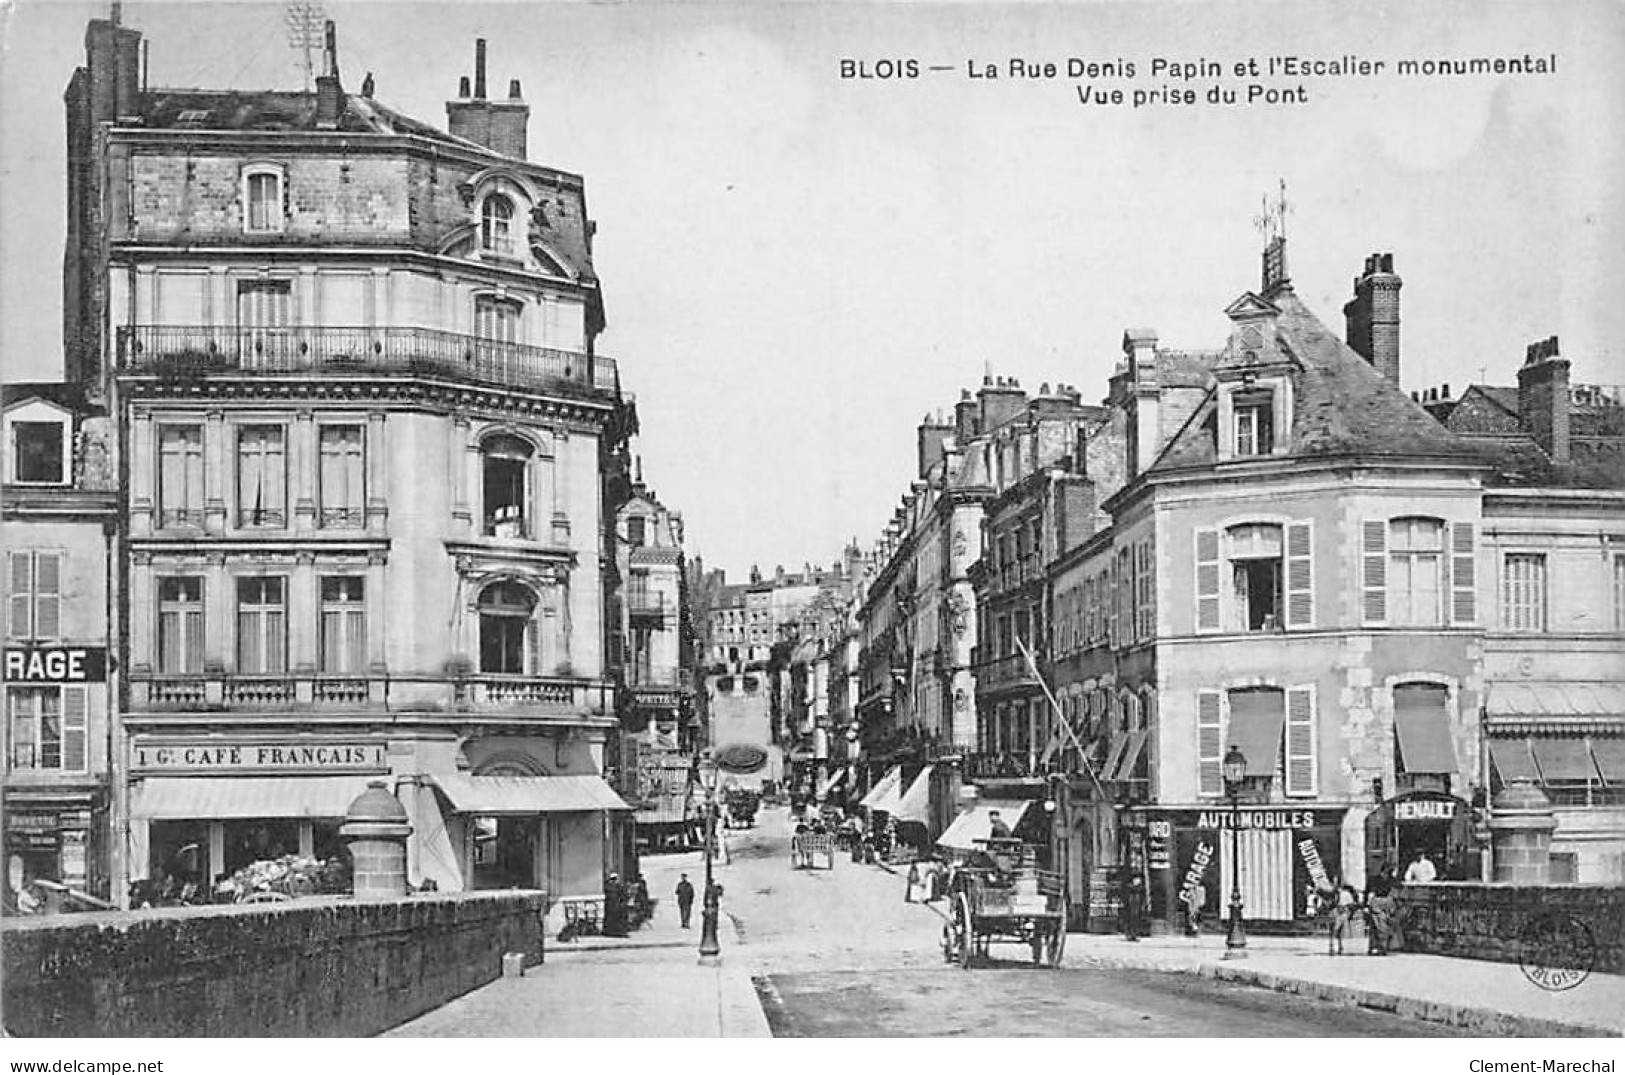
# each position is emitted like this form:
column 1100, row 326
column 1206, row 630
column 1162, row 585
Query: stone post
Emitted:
column 1521, row 827
column 376, row 829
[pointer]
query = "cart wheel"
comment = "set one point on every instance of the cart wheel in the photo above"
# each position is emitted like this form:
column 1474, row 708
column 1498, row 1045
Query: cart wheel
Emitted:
column 965, row 927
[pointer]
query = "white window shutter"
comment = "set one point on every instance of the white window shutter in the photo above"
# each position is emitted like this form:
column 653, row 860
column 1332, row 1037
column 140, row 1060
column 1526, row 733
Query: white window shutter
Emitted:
column 20, row 576
column 74, row 714
column 1300, row 741
column 1209, row 742
column 1463, row 574
column 1207, row 580
column 47, row 595
column 1374, row 571
column 1300, row 574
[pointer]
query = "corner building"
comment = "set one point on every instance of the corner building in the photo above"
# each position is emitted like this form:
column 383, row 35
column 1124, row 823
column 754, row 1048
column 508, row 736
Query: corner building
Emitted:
column 363, row 433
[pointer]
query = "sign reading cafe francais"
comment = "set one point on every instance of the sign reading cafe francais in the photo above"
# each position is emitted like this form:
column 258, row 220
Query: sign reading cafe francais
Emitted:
column 210, row 756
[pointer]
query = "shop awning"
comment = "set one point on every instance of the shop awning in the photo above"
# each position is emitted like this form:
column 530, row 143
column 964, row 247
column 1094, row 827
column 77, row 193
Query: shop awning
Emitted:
column 1513, row 760
column 1552, row 699
column 827, row 785
column 1131, row 756
column 491, row 795
column 1114, row 756
column 1256, row 720
column 974, row 824
column 1563, row 758
column 1424, row 740
column 885, row 791
column 198, row 798
column 915, row 804
column 1610, row 755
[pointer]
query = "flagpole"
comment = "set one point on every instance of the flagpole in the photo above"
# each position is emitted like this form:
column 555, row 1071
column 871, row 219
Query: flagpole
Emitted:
column 1083, row 755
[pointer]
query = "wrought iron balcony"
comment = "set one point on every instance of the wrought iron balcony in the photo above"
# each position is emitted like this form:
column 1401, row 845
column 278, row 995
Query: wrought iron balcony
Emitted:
column 211, row 350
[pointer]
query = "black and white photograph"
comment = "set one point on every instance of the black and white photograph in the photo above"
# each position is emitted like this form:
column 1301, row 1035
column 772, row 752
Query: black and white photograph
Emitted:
column 865, row 521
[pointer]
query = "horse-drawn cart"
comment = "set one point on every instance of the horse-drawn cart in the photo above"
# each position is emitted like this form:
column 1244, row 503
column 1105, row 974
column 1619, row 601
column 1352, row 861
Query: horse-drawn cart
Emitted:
column 1005, row 897
column 806, row 848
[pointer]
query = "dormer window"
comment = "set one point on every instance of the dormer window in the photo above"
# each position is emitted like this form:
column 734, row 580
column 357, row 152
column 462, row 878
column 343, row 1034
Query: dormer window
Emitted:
column 39, row 453
column 262, row 200
column 496, row 224
column 1254, row 422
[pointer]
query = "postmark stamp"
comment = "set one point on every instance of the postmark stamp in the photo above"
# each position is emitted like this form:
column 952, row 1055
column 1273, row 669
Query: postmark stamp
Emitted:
column 1556, row 951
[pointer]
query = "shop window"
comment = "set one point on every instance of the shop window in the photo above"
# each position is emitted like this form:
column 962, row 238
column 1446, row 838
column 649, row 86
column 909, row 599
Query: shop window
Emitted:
column 39, row 453
column 258, row 840
column 344, row 626
column 180, row 476
column 180, row 626
column 262, row 640
column 505, row 461
column 496, row 224
column 1523, row 593
column 341, row 482
column 507, row 611
column 262, row 478
column 178, row 866
column 34, row 610
column 47, row 728
column 262, row 200
column 1415, row 572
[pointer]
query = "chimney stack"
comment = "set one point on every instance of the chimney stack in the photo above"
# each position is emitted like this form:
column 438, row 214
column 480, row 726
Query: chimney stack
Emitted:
column 965, row 414
column 329, row 93
column 1372, row 316
column 500, row 126
column 1000, row 402
column 1543, row 398
column 930, row 442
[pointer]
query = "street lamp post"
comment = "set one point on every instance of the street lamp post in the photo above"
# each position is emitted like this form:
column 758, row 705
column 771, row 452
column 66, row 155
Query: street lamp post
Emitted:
column 1235, row 771
column 710, row 908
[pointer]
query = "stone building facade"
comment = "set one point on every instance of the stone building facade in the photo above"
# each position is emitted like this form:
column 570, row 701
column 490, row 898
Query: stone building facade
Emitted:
column 363, row 432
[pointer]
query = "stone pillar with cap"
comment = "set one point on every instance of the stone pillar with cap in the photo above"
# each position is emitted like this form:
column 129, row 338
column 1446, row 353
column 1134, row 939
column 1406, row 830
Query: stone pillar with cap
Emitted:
column 375, row 827
column 1521, row 826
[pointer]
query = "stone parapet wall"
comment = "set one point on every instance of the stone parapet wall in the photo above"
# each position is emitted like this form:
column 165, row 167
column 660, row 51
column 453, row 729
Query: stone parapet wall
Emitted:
column 1497, row 921
column 307, row 968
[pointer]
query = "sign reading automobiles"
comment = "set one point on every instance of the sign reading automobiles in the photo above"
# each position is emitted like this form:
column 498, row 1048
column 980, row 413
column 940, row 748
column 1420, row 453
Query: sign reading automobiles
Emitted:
column 207, row 756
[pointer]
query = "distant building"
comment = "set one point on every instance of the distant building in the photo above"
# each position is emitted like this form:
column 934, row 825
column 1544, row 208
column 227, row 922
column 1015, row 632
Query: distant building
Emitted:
column 58, row 525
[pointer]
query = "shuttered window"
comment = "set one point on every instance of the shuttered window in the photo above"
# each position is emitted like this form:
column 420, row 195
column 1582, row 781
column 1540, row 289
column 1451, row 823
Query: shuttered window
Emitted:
column 48, row 728
column 1463, row 574
column 35, row 591
column 1523, row 592
column 1619, row 591
column 1209, row 743
column 1207, row 580
column 1301, row 767
column 1300, row 575
column 1374, row 571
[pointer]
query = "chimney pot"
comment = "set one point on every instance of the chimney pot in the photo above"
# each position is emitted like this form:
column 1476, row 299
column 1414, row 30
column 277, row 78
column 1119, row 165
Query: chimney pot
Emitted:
column 513, row 90
column 1444, row 393
column 462, row 87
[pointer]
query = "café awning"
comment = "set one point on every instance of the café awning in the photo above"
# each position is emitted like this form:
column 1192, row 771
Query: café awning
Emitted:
column 1562, row 759
column 1513, row 760
column 492, row 795
column 209, row 798
column 975, row 824
column 1424, row 740
column 1131, row 756
column 1552, row 699
column 1256, row 720
column 884, row 792
column 915, row 804
column 1610, row 755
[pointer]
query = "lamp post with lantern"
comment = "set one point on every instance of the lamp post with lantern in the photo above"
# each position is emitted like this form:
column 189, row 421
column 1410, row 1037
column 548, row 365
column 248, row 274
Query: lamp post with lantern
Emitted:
column 710, row 907
column 1235, row 771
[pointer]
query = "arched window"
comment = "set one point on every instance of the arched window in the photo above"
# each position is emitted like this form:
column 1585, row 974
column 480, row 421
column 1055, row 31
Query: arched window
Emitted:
column 507, row 613
column 496, row 224
column 505, row 463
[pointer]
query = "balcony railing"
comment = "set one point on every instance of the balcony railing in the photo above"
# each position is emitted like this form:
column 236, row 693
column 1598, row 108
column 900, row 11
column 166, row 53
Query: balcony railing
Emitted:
column 202, row 350
column 329, row 692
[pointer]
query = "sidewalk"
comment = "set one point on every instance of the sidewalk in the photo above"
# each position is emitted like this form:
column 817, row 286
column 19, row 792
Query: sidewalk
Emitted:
column 1492, row 999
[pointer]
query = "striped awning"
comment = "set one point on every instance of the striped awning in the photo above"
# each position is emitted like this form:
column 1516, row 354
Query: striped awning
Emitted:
column 884, row 794
column 1131, row 756
column 492, row 795
column 973, row 826
column 200, row 798
column 915, row 804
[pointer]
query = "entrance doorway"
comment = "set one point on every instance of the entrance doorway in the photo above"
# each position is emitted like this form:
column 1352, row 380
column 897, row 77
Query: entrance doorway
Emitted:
column 505, row 852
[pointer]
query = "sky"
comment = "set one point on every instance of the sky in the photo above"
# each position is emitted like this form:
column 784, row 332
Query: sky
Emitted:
column 798, row 266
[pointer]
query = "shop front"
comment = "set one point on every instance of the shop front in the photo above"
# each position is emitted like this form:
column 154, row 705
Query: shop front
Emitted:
column 1277, row 855
column 56, row 836
column 1433, row 823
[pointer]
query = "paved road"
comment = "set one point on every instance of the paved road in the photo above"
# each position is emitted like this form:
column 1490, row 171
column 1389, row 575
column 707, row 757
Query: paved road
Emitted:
column 839, row 953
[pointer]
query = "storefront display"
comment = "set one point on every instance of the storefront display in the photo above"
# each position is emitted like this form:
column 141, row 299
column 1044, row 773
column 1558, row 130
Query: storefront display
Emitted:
column 1422, row 822
column 1284, row 853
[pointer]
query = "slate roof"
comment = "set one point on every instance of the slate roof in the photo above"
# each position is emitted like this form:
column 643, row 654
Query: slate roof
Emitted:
column 1341, row 404
column 280, row 110
column 68, row 395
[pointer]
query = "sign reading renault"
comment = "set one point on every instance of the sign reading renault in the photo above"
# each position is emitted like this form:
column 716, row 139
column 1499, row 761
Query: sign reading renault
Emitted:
column 55, row 664
column 193, row 756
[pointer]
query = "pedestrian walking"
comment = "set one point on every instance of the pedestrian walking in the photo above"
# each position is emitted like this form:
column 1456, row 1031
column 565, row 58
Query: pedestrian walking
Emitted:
column 913, row 882
column 1195, row 900
column 685, row 900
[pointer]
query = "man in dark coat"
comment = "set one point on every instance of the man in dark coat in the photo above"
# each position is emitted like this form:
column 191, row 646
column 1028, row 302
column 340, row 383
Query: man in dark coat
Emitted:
column 614, row 907
column 685, row 900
